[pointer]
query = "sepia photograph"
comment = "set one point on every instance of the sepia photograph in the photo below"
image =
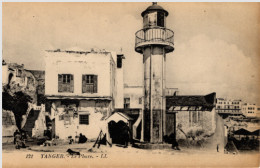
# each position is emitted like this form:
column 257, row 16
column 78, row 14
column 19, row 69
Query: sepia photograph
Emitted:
column 130, row 84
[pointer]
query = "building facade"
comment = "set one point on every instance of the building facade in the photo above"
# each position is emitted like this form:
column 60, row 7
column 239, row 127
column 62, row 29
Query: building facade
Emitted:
column 249, row 110
column 19, row 79
column 133, row 107
column 227, row 107
column 82, row 89
column 185, row 113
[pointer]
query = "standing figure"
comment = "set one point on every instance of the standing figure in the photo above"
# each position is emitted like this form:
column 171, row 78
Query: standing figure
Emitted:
column 15, row 133
column 19, row 141
column 126, row 133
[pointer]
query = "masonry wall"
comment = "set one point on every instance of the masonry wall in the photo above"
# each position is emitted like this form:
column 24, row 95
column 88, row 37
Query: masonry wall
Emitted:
column 119, row 101
column 97, row 110
column 135, row 93
column 8, row 126
column 40, row 124
column 78, row 64
column 207, row 122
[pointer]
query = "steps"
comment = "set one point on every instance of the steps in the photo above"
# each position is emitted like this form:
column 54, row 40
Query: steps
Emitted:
column 30, row 123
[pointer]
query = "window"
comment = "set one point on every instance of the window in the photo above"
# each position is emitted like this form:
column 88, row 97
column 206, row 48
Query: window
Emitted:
column 152, row 19
column 140, row 100
column 29, row 81
column 84, row 119
column 65, row 83
column 89, row 83
column 18, row 73
column 194, row 117
column 126, row 103
column 160, row 19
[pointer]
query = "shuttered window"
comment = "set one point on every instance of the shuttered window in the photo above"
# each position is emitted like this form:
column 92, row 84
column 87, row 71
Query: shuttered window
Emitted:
column 89, row 83
column 65, row 83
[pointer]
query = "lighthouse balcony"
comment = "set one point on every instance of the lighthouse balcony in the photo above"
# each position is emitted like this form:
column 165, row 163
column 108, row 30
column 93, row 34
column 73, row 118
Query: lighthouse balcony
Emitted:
column 154, row 36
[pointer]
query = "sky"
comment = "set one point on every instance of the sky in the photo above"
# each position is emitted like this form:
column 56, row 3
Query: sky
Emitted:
column 216, row 44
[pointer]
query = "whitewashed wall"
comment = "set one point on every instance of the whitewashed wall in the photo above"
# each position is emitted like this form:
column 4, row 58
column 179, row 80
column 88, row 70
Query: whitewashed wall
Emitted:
column 134, row 93
column 78, row 64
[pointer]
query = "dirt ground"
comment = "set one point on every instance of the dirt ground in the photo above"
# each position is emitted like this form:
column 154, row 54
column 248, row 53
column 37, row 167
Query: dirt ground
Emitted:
column 56, row 156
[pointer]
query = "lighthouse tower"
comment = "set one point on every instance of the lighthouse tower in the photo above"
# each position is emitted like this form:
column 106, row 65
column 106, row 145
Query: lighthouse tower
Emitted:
column 154, row 41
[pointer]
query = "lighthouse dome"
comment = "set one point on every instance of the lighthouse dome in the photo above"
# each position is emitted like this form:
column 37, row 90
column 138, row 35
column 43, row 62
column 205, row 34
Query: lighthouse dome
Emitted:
column 154, row 7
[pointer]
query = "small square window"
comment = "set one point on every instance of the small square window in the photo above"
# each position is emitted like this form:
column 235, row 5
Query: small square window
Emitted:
column 84, row 119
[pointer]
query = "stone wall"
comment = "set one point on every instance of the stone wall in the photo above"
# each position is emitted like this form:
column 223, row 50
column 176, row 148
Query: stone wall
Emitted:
column 40, row 124
column 8, row 126
column 185, row 121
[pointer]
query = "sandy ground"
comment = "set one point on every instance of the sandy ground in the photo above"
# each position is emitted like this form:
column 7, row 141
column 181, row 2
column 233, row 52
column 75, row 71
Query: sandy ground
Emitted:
column 56, row 156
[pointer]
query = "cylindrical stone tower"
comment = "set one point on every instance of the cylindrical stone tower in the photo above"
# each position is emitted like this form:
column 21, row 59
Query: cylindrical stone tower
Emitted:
column 154, row 41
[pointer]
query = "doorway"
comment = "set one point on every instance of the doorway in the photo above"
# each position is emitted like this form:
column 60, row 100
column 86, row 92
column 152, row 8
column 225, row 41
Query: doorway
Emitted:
column 117, row 131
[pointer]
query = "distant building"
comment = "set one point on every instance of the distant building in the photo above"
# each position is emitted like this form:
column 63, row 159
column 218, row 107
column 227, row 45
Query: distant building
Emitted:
column 249, row 110
column 258, row 112
column 19, row 79
column 82, row 88
column 226, row 107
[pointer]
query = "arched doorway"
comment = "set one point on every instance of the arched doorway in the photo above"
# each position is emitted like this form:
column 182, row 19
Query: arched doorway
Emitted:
column 117, row 131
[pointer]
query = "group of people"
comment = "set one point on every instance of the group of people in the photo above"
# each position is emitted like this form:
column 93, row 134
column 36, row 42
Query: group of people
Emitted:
column 19, row 139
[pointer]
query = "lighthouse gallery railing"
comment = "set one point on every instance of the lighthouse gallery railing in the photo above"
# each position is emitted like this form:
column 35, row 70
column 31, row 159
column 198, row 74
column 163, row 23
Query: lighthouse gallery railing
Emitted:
column 155, row 34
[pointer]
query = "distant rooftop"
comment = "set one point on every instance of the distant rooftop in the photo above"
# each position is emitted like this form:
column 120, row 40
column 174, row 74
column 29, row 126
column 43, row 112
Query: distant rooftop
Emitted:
column 81, row 52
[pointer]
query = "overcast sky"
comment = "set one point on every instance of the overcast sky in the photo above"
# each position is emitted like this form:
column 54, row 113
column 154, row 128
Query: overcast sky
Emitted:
column 217, row 45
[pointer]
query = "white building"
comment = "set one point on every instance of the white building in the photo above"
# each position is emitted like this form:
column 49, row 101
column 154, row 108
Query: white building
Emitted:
column 82, row 88
column 249, row 110
column 19, row 79
column 228, row 107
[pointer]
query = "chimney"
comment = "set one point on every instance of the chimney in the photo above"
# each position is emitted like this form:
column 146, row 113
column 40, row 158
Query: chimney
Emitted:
column 120, row 57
